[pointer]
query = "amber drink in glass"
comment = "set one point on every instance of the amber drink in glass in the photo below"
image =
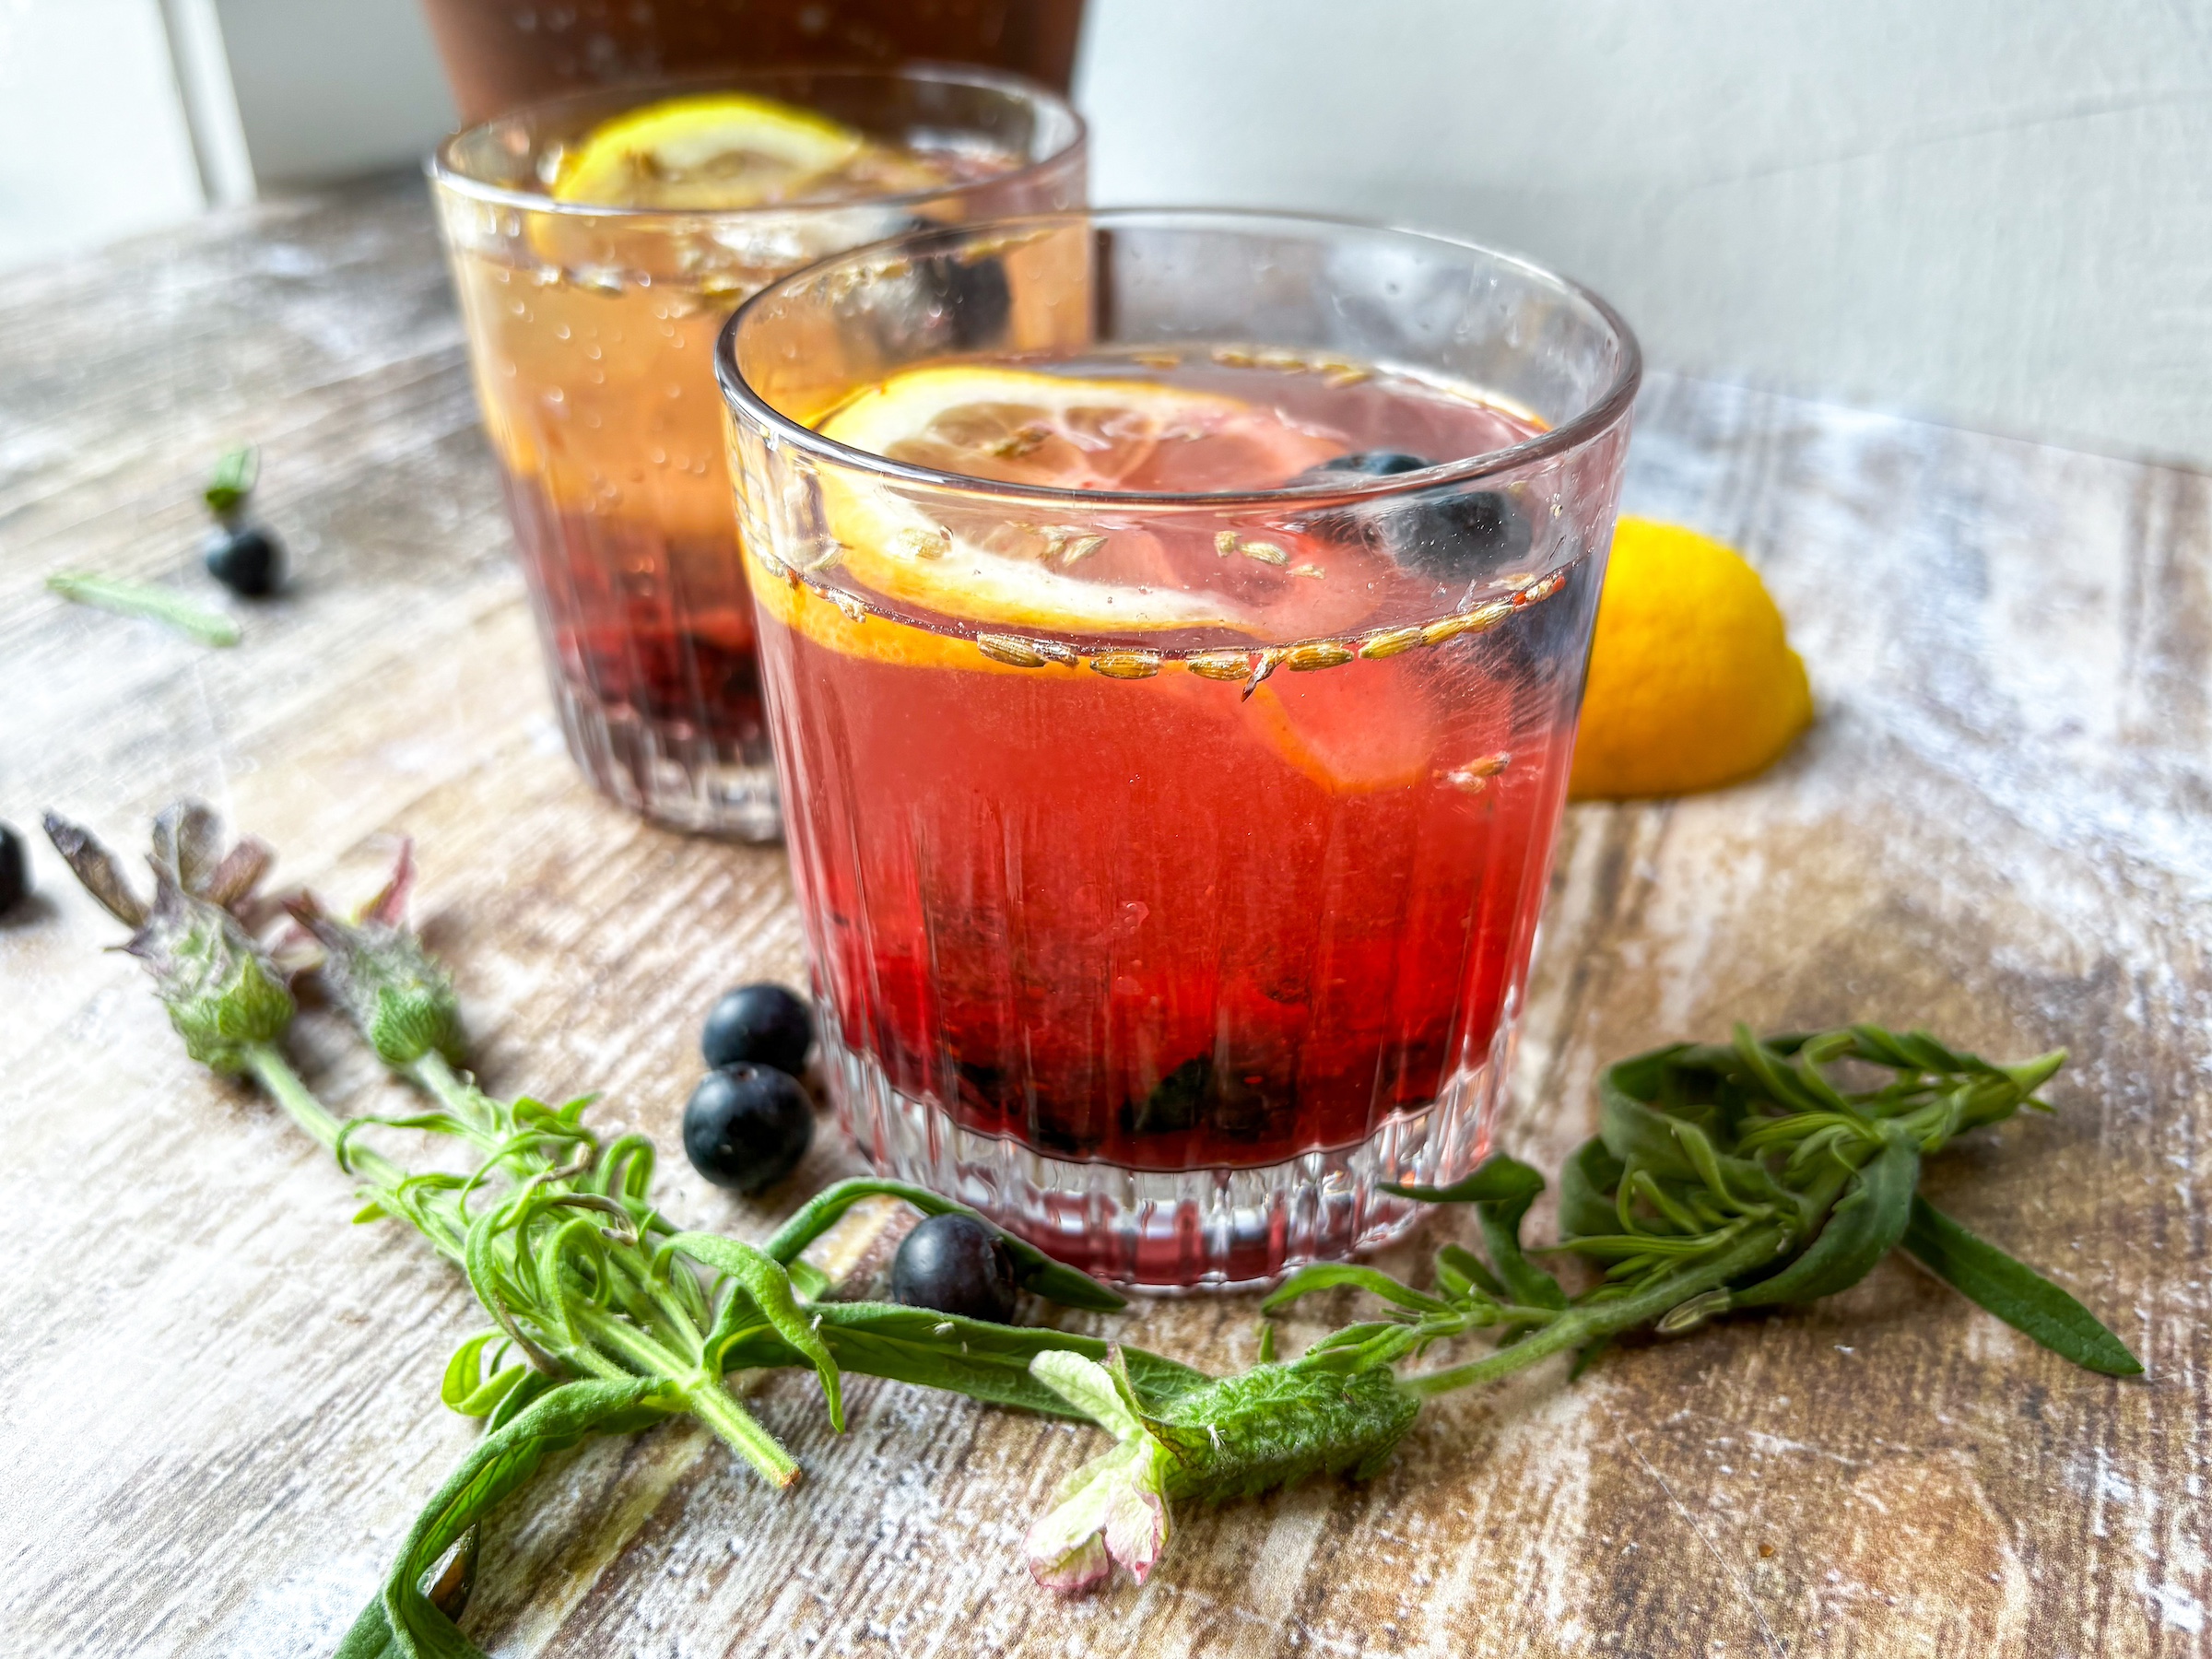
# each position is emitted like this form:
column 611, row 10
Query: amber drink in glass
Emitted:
column 591, row 330
column 1174, row 678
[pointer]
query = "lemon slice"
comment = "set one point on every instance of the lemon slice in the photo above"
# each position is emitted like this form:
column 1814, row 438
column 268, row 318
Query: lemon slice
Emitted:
column 1022, row 427
column 714, row 151
column 1348, row 736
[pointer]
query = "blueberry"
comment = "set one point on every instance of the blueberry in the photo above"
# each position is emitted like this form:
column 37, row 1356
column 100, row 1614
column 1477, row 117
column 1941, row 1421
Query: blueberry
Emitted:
column 955, row 1264
column 1445, row 533
column 1362, row 464
column 764, row 1024
column 973, row 296
column 745, row 1127
column 245, row 558
column 947, row 301
column 14, row 870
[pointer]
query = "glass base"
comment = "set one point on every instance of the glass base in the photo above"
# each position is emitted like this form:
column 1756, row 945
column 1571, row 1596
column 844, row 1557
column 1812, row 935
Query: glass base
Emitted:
column 670, row 771
column 1227, row 1230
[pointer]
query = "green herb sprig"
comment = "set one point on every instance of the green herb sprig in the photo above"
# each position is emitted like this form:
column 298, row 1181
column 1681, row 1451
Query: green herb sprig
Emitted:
column 606, row 1315
column 1742, row 1175
column 1762, row 1172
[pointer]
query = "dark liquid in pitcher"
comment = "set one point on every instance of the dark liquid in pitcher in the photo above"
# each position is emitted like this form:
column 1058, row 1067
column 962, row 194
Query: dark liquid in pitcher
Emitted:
column 501, row 54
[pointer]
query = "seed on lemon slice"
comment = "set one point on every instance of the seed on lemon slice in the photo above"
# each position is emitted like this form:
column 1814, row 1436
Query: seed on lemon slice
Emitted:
column 714, row 151
column 1020, row 426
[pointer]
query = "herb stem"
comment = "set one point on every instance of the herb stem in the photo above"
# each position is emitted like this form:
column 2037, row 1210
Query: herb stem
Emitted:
column 461, row 1098
column 1572, row 1329
column 704, row 1395
column 274, row 1074
column 711, row 1400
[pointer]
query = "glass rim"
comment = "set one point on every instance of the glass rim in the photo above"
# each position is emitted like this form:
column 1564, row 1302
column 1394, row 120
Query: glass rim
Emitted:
column 445, row 171
column 1607, row 411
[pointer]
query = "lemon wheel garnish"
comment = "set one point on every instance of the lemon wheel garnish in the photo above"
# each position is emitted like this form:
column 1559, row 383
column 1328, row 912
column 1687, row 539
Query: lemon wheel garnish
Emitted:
column 714, row 151
column 1023, row 427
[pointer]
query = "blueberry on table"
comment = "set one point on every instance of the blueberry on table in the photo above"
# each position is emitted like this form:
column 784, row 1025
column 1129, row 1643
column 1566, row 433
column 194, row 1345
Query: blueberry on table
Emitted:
column 1446, row 533
column 245, row 558
column 14, row 869
column 241, row 554
column 745, row 1127
column 955, row 1264
column 763, row 1024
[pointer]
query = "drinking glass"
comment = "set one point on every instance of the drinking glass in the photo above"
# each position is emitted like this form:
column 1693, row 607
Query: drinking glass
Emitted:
column 1168, row 944
column 591, row 335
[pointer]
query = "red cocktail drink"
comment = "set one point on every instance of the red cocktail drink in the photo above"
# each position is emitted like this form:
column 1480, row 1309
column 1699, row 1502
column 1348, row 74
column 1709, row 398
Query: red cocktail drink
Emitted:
column 1174, row 731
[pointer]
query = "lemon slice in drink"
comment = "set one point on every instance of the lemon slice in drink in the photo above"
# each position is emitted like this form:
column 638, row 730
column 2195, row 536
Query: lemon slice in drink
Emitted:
column 1019, row 426
column 714, row 151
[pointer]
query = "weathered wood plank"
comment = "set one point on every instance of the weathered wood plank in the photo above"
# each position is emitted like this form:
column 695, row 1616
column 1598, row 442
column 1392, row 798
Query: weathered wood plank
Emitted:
column 222, row 1401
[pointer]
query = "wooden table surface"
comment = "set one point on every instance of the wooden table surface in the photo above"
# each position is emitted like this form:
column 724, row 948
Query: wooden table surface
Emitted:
column 219, row 1403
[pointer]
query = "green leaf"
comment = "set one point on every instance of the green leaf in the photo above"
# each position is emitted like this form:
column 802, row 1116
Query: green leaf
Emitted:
column 1090, row 1389
column 1498, row 1179
column 401, row 1623
column 2014, row 1292
column 1465, row 1277
column 1644, row 1077
column 466, row 1390
column 480, row 1262
column 1866, row 1223
column 969, row 1356
column 141, row 599
column 535, row 1385
column 1500, row 1222
column 233, row 480
column 1277, row 1424
column 1033, row 1270
column 1641, row 1137
column 1586, row 1183
column 1328, row 1276
column 758, row 1279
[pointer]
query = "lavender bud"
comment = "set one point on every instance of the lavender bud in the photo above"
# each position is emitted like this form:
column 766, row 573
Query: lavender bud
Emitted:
column 376, row 968
column 222, row 995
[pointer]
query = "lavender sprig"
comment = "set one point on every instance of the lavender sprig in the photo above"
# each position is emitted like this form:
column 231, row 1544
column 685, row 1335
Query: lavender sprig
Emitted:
column 1733, row 1176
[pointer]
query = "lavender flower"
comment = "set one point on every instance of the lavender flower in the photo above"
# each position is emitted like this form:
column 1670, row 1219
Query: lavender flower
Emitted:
column 377, row 969
column 1114, row 1508
column 223, row 995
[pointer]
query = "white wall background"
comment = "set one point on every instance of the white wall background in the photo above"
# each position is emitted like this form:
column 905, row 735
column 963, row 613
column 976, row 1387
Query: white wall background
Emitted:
column 94, row 143
column 327, row 87
column 1995, row 212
